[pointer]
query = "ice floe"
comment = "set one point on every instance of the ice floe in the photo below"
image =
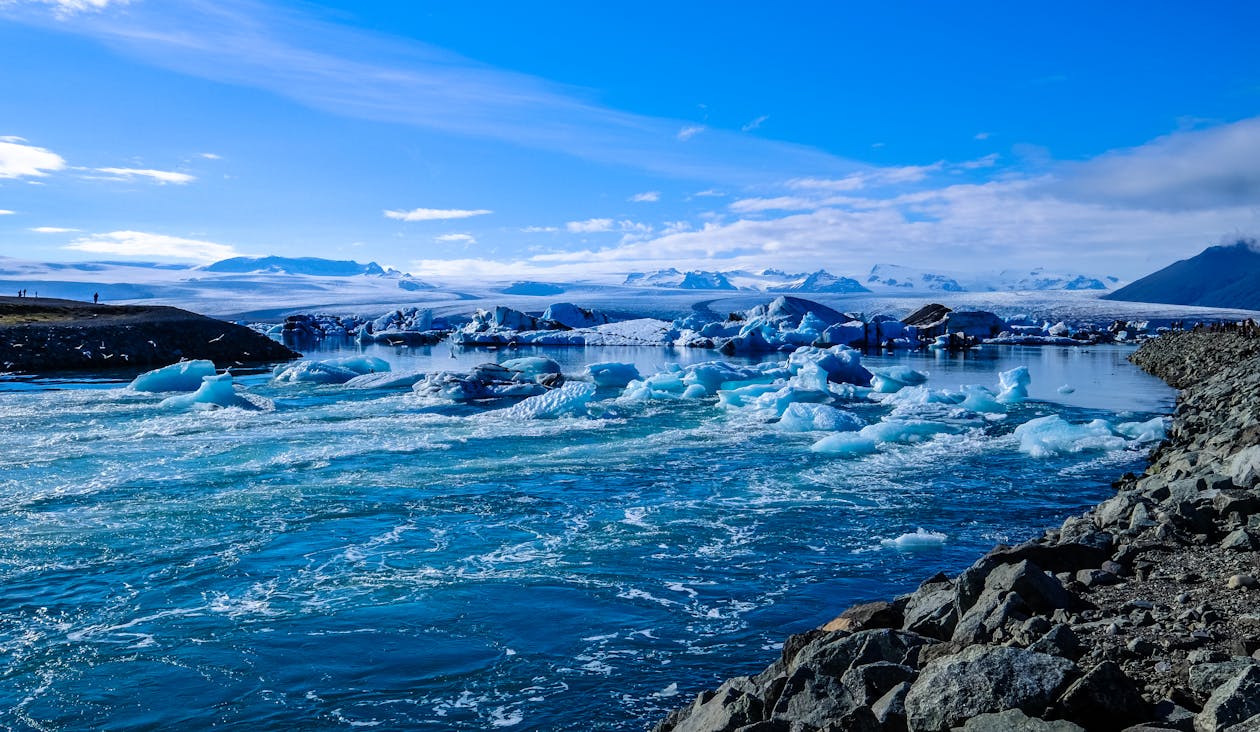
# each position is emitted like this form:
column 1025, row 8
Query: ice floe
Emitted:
column 182, row 376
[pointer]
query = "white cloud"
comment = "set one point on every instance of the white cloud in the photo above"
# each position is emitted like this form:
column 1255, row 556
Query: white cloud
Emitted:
column 436, row 214
column 540, row 229
column 461, row 238
column 599, row 226
column 1189, row 170
column 210, row 156
column 159, row 176
column 646, row 197
column 52, row 230
column 710, row 193
column 590, row 226
column 18, row 160
column 156, row 246
column 70, row 7
column 847, row 183
column 755, row 123
column 690, row 131
column 988, row 161
column 983, row 135
column 6, row 212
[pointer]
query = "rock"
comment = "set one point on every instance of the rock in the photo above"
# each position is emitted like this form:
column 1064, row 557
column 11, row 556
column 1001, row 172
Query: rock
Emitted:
column 868, row 684
column 1013, row 720
column 930, row 611
column 890, row 709
column 811, row 697
column 1242, row 582
column 1060, row 641
column 867, row 616
column 835, row 653
column 1244, row 467
column 1104, row 699
column 1237, row 700
column 984, row 679
column 732, row 706
column 1205, row 677
column 1238, row 540
column 1011, row 592
column 1096, row 578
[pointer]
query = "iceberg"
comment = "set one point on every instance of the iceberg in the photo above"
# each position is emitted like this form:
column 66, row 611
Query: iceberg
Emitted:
column 905, row 430
column 845, row 444
column 1152, row 430
column 329, row 371
column 182, row 376
column 612, row 374
column 569, row 400
column 533, row 368
column 215, row 391
column 1053, row 435
column 1014, row 385
column 890, row 379
column 843, row 365
column 805, row 417
column 572, row 316
column 915, row 539
column 385, row 380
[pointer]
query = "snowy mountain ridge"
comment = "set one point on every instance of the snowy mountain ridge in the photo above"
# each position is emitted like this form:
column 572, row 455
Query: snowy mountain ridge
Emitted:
column 897, row 277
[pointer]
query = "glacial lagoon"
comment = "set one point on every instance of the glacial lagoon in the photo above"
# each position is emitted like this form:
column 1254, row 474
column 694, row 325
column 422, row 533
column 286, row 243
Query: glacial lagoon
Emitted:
column 360, row 558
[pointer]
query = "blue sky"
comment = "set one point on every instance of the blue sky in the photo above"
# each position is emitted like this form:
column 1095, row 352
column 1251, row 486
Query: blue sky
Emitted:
column 574, row 139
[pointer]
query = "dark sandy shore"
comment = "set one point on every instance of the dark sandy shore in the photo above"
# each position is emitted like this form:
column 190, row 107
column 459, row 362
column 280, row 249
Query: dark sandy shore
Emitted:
column 40, row 335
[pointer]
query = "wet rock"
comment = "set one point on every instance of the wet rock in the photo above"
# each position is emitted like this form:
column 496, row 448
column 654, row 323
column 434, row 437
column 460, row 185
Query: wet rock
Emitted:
column 984, row 679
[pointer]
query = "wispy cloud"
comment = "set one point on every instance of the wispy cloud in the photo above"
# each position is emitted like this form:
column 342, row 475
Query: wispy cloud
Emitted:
column 540, row 229
column 155, row 246
column 436, row 214
column 459, row 238
column 589, row 226
column 20, row 160
column 646, row 197
column 381, row 78
column 983, row 135
column 210, row 156
column 52, row 230
column 690, row 131
column 754, row 124
column 159, row 176
column 6, row 212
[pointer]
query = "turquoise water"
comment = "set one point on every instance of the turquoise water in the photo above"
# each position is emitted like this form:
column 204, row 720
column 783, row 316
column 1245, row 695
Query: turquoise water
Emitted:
column 358, row 558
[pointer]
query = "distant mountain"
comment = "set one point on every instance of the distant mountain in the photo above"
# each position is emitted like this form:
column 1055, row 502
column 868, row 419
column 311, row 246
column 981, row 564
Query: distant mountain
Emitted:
column 900, row 277
column 294, row 266
column 1221, row 276
column 767, row 280
column 695, row 280
column 906, row 278
column 824, row 281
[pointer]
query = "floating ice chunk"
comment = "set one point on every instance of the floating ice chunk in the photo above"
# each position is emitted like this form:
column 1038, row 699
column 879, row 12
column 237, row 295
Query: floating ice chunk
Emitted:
column 182, row 376
column 568, row 314
column 802, row 417
column 1059, row 329
column 842, row 364
column 779, row 400
column 532, row 367
column 569, row 400
column 1014, row 384
column 313, row 372
column 743, row 396
column 695, row 391
column 1066, row 389
column 1152, row 430
column 845, row 444
column 385, row 380
column 711, row 375
column 893, row 378
column 612, row 373
column 905, row 430
column 916, row 539
column 360, row 364
column 486, row 381
column 981, row 399
column 215, row 391
column 1053, row 435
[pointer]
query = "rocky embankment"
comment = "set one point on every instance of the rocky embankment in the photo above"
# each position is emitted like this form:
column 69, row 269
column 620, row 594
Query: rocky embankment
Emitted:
column 1141, row 614
column 41, row 335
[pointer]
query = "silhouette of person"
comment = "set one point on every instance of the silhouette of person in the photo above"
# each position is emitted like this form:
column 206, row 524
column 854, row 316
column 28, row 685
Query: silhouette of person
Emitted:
column 96, row 297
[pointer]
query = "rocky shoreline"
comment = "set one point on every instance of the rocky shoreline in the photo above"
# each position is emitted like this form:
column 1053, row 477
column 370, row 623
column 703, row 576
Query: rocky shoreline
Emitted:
column 1141, row 614
column 40, row 335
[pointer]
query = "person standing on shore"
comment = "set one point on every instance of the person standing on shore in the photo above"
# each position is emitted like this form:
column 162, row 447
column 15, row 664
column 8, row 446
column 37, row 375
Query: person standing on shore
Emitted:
column 96, row 298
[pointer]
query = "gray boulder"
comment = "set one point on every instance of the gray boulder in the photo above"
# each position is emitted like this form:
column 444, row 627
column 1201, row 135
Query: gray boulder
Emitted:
column 1104, row 699
column 984, row 679
column 1013, row 720
column 1235, row 701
